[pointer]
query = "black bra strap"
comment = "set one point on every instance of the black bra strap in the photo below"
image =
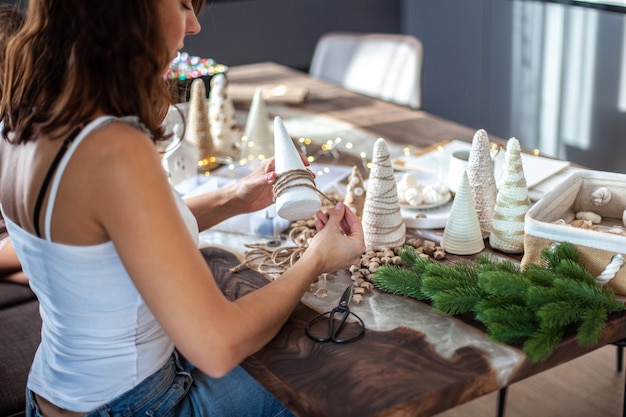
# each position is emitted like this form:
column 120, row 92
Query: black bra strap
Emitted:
column 48, row 178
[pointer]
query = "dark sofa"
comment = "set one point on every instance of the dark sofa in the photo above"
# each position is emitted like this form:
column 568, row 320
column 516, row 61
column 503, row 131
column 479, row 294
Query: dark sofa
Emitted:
column 20, row 328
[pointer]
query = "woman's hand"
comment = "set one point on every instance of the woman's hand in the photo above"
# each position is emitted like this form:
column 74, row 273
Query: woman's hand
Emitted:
column 339, row 241
column 254, row 191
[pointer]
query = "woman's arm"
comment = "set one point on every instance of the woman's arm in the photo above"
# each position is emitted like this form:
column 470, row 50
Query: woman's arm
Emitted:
column 133, row 203
column 250, row 193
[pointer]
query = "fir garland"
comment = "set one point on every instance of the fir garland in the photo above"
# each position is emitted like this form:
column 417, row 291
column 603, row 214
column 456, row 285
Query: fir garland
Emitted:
column 532, row 307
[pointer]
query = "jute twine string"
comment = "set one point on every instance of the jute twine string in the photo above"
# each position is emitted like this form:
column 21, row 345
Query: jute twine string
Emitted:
column 287, row 180
column 274, row 262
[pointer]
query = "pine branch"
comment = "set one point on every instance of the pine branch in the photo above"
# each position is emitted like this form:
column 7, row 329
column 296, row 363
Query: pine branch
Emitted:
column 441, row 278
column 397, row 280
column 583, row 294
column 504, row 284
column 485, row 263
column 539, row 296
column 458, row 300
column 509, row 324
column 574, row 271
column 558, row 314
column 412, row 259
column 538, row 275
column 553, row 255
column 591, row 328
column 543, row 342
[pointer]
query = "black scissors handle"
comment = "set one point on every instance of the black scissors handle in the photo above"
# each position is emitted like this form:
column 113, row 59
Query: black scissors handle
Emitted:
column 335, row 329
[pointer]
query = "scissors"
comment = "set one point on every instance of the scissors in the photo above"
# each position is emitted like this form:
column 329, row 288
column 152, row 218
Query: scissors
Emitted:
column 335, row 329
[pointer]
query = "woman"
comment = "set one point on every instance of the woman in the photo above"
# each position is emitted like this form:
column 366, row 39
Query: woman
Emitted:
column 109, row 249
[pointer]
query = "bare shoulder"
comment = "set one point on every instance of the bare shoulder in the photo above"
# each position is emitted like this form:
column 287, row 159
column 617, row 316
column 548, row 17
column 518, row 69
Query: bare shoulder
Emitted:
column 117, row 148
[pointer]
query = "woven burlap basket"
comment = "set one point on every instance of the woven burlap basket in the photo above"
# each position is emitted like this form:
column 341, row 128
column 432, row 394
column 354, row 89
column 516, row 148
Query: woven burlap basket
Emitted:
column 543, row 223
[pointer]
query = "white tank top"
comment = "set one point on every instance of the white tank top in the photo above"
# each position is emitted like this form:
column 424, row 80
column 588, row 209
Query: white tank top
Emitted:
column 98, row 338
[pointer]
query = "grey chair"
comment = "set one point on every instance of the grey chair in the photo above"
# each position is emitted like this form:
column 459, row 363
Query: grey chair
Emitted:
column 381, row 65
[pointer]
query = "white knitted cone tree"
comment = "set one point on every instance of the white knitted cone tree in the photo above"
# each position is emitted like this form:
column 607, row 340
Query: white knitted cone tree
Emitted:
column 296, row 197
column 355, row 192
column 512, row 203
column 222, row 118
column 382, row 221
column 482, row 180
column 198, row 131
column 462, row 235
column 258, row 142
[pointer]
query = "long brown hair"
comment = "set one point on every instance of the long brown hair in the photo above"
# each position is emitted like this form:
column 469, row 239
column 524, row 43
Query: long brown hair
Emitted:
column 74, row 57
column 11, row 20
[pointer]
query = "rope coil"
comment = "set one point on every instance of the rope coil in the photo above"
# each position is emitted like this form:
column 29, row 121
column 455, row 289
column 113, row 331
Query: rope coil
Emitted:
column 287, row 180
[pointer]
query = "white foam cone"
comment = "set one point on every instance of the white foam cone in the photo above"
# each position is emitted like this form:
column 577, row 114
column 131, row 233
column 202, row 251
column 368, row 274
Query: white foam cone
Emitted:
column 298, row 199
column 222, row 118
column 382, row 221
column 258, row 142
column 462, row 235
column 482, row 180
column 512, row 203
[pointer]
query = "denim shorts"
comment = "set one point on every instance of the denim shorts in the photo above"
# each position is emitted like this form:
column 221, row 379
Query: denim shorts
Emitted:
column 179, row 389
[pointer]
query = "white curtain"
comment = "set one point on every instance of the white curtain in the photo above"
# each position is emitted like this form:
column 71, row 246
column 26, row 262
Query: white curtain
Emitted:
column 553, row 53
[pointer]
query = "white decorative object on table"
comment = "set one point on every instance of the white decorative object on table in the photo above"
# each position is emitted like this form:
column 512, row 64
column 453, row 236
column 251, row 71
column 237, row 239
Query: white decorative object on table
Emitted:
column 601, row 196
column 383, row 225
column 462, row 235
column 181, row 162
column 198, row 131
column 480, row 174
column 258, row 142
column 296, row 198
column 512, row 203
column 222, row 119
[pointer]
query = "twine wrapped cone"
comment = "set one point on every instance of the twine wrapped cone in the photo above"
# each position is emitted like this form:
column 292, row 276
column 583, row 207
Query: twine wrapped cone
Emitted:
column 383, row 225
column 222, row 119
column 355, row 192
column 258, row 142
column 462, row 235
column 198, row 131
column 512, row 203
column 482, row 181
column 297, row 199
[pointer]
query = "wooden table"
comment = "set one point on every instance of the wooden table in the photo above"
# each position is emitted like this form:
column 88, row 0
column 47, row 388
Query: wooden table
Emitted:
column 397, row 372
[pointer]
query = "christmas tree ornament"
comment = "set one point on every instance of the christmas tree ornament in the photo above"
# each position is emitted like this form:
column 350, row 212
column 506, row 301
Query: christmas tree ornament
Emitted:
column 222, row 119
column 198, row 131
column 257, row 142
column 462, row 235
column 512, row 203
column 294, row 190
column 382, row 221
column 480, row 173
column 355, row 192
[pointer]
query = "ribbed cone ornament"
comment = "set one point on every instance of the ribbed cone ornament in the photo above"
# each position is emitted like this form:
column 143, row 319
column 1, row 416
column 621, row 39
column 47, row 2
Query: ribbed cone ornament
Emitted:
column 482, row 181
column 512, row 203
column 355, row 192
column 462, row 235
column 258, row 142
column 382, row 221
column 223, row 119
column 296, row 199
column 198, row 131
